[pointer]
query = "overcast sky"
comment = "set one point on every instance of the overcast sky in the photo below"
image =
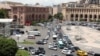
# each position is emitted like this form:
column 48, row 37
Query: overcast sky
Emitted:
column 43, row 2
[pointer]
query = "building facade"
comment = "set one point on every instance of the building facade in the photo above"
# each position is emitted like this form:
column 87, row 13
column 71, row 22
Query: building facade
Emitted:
column 25, row 15
column 7, row 6
column 88, row 11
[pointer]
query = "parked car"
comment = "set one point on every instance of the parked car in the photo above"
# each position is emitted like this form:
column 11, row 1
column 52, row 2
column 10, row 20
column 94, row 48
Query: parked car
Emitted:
column 21, row 47
column 41, row 55
column 40, row 42
column 44, row 41
column 32, row 52
column 36, row 33
column 21, row 32
column 50, row 45
column 26, row 48
column 76, row 48
column 31, row 37
column 37, row 52
column 55, row 44
column 66, row 51
column 47, row 37
column 53, row 48
column 31, row 48
column 96, row 54
column 54, row 55
column 81, row 53
column 91, row 53
column 41, row 49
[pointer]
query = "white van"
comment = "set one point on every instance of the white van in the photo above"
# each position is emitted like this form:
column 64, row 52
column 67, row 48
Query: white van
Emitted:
column 35, row 33
column 54, row 37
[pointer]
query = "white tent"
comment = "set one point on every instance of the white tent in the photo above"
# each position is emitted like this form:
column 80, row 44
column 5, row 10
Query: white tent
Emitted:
column 5, row 20
column 5, row 30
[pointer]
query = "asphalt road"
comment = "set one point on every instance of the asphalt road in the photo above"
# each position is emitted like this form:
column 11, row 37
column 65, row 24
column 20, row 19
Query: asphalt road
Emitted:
column 45, row 46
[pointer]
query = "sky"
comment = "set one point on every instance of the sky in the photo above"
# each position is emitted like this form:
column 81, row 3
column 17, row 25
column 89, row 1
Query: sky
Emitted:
column 42, row 2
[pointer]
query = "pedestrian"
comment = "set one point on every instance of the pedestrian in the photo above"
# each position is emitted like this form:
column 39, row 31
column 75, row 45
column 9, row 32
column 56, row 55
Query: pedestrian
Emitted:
column 26, row 31
column 48, row 33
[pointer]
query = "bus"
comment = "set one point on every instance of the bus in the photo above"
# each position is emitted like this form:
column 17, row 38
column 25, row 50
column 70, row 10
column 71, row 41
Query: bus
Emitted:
column 60, row 44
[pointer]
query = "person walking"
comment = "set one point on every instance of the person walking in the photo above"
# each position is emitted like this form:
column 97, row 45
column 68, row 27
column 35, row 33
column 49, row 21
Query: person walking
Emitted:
column 48, row 33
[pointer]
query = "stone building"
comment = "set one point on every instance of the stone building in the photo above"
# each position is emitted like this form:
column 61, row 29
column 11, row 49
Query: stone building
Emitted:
column 87, row 10
column 26, row 14
column 6, row 5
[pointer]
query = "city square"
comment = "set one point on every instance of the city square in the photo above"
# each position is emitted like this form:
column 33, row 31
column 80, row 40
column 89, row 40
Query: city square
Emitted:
column 62, row 28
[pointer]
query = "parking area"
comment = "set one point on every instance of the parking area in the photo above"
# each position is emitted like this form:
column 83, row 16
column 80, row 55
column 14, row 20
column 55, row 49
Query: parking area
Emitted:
column 44, row 34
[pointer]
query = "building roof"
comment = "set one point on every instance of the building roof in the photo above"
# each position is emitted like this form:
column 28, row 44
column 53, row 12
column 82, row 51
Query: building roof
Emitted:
column 4, row 6
column 2, row 20
column 8, row 4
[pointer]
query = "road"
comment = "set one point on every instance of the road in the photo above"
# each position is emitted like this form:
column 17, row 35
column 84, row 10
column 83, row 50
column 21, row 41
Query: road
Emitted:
column 43, row 35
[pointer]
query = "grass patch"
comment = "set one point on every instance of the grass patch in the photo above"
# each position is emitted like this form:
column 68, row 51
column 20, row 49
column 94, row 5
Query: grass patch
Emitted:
column 26, row 42
column 22, row 53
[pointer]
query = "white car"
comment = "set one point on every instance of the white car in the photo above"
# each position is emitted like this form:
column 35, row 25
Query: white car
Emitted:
column 21, row 47
column 66, row 51
column 50, row 45
column 32, row 52
column 41, row 55
column 45, row 41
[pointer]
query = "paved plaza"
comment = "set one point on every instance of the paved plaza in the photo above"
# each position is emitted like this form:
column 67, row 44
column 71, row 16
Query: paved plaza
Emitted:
column 90, row 37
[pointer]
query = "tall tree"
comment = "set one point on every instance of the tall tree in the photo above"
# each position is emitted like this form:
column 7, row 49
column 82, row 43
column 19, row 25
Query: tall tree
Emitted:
column 50, row 18
column 3, row 13
column 8, row 47
column 59, row 16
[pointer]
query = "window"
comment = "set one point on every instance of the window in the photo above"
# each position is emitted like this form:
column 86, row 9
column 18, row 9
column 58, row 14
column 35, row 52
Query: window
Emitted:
column 95, row 16
column 72, row 16
column 99, row 16
column 85, row 15
column 76, row 16
column 81, row 16
column 90, row 16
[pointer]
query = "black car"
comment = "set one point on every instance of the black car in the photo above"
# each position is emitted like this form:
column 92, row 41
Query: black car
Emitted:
column 37, row 52
column 76, row 48
column 26, row 48
column 96, row 54
column 21, row 32
column 69, row 55
column 54, row 55
column 40, row 42
column 35, row 29
column 41, row 49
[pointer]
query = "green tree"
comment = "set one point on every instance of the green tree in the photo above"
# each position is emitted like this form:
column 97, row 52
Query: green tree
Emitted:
column 50, row 18
column 8, row 47
column 3, row 13
column 59, row 16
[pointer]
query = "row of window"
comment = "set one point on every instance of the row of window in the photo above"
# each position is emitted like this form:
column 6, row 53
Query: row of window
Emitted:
column 28, row 9
column 84, row 16
column 83, row 10
column 34, row 17
column 37, row 9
